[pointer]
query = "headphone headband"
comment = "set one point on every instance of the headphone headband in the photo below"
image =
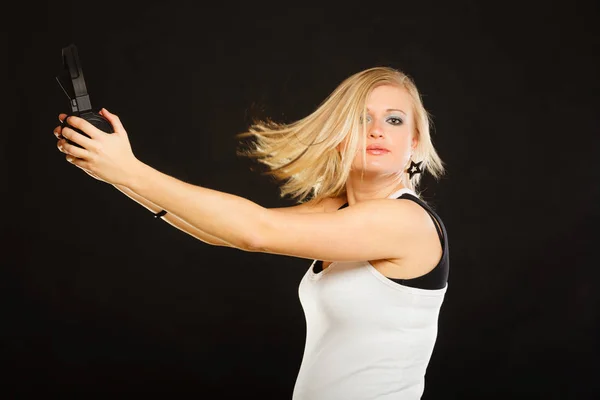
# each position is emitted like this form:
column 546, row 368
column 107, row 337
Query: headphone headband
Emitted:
column 72, row 82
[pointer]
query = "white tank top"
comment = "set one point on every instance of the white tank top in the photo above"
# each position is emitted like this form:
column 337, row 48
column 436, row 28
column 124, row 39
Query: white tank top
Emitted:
column 367, row 337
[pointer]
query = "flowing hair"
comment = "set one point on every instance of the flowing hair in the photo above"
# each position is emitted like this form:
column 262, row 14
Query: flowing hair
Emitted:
column 303, row 155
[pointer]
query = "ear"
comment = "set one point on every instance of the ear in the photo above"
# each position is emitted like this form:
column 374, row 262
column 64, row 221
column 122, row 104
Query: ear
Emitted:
column 414, row 142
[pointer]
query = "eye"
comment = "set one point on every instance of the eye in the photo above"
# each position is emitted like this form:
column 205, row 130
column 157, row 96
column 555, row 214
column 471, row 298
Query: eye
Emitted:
column 368, row 119
column 395, row 121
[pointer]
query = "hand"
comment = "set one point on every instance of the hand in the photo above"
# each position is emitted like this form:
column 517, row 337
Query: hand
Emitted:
column 57, row 133
column 104, row 156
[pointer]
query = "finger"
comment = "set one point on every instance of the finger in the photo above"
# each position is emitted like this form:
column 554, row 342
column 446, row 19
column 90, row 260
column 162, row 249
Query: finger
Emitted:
column 77, row 137
column 57, row 132
column 71, row 149
column 78, row 162
column 82, row 125
column 114, row 120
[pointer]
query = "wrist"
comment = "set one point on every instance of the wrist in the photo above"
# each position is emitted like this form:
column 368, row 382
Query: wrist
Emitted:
column 135, row 177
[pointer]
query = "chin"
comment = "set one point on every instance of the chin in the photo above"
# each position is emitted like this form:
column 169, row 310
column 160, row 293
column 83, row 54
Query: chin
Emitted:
column 376, row 170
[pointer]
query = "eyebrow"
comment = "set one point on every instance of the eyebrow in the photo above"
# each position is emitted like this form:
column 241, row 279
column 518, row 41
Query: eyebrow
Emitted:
column 392, row 109
column 395, row 109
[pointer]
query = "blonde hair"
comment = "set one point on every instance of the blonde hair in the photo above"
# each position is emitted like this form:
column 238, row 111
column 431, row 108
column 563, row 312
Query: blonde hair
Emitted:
column 303, row 154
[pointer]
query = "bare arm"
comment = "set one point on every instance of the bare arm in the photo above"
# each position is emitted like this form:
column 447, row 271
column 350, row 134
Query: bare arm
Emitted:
column 180, row 224
column 173, row 220
column 230, row 218
column 310, row 207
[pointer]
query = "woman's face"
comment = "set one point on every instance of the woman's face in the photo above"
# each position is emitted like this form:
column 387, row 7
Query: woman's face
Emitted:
column 390, row 125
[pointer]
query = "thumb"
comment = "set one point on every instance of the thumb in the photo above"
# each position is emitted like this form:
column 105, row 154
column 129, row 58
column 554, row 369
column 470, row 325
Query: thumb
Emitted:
column 113, row 119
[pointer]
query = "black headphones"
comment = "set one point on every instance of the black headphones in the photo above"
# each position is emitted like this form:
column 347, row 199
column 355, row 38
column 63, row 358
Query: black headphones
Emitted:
column 72, row 83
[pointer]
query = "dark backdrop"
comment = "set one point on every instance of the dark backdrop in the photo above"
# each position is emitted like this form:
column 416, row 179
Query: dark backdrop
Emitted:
column 100, row 298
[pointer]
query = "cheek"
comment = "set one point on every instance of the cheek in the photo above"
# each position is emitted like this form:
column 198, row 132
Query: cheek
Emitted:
column 404, row 148
column 409, row 140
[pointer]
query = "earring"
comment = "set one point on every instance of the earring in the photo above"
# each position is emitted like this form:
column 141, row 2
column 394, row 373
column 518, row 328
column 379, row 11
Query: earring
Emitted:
column 415, row 168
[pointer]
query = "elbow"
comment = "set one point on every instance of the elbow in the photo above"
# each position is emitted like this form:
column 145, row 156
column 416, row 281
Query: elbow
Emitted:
column 253, row 249
column 255, row 241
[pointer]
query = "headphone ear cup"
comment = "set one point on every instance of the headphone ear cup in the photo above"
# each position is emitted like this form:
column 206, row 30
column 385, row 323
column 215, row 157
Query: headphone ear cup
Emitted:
column 99, row 122
column 93, row 118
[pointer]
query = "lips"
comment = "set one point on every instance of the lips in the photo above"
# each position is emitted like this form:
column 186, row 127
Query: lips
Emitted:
column 374, row 147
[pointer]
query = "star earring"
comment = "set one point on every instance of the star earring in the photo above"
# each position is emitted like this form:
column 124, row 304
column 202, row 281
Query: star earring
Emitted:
column 415, row 168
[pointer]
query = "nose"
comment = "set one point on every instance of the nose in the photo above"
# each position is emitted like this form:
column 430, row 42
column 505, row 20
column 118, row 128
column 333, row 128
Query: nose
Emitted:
column 376, row 129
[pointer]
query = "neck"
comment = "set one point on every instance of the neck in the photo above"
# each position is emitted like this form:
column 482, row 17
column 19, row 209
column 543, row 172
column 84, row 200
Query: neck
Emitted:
column 368, row 189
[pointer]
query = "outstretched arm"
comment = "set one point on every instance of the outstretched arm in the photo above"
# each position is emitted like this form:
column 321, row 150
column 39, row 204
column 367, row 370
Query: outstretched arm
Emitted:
column 173, row 220
column 209, row 213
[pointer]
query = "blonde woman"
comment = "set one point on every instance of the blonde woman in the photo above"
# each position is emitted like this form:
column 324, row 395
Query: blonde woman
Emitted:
column 378, row 277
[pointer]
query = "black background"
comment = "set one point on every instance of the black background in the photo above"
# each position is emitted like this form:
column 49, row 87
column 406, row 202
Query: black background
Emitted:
column 100, row 298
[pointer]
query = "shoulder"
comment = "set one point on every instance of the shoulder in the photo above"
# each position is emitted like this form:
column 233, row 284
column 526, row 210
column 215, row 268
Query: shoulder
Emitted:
column 414, row 214
column 424, row 208
column 418, row 209
column 428, row 232
column 401, row 218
